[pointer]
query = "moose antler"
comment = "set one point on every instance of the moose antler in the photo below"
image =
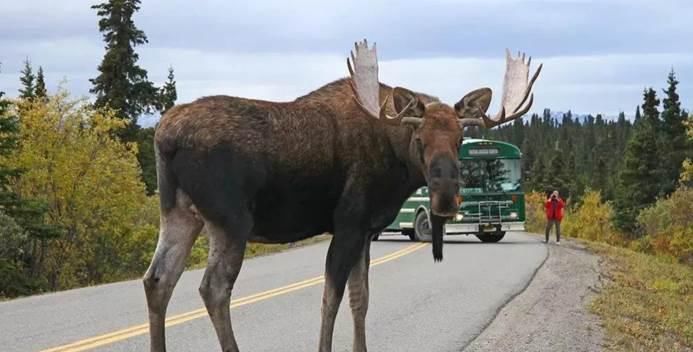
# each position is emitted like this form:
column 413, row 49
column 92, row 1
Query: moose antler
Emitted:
column 516, row 91
column 365, row 83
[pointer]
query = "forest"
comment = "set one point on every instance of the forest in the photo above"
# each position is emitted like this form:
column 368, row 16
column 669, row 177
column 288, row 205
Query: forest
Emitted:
column 78, row 202
column 629, row 181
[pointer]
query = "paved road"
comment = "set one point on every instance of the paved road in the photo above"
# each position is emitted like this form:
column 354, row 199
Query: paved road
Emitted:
column 416, row 305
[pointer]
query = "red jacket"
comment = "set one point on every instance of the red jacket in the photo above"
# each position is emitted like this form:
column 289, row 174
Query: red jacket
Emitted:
column 559, row 209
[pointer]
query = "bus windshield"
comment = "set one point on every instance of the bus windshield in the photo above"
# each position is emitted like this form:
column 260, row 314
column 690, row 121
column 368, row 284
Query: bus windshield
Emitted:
column 490, row 175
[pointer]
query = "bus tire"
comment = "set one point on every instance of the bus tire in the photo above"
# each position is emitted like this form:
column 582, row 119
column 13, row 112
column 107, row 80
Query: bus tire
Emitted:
column 422, row 228
column 409, row 233
column 491, row 237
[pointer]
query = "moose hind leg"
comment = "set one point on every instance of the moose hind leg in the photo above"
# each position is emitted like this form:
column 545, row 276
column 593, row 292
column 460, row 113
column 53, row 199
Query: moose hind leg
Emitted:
column 178, row 230
column 358, row 297
column 227, row 247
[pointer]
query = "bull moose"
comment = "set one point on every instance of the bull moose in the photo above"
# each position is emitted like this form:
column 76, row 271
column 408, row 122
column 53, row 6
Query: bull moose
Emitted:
column 340, row 160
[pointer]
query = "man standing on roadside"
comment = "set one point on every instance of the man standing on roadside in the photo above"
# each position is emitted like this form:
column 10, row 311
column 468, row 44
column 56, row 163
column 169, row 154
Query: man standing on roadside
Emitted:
column 554, row 214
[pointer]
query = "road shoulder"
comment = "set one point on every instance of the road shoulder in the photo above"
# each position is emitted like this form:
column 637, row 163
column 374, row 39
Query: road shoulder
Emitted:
column 552, row 313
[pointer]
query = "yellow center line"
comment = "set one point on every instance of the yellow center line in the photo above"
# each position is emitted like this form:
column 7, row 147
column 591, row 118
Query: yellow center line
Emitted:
column 141, row 329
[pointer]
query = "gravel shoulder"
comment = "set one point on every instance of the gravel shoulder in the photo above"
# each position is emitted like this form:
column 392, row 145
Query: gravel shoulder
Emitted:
column 552, row 313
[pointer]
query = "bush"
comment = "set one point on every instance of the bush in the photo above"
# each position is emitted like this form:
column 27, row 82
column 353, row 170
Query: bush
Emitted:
column 534, row 212
column 591, row 220
column 14, row 280
column 91, row 184
column 669, row 225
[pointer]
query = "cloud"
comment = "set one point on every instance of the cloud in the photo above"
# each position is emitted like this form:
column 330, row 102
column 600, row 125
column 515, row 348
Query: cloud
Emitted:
column 598, row 55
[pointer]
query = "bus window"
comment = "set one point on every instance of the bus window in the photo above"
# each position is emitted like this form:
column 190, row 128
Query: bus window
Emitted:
column 490, row 175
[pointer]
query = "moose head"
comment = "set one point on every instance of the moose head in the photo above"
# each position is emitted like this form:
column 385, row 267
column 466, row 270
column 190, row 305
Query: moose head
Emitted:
column 438, row 127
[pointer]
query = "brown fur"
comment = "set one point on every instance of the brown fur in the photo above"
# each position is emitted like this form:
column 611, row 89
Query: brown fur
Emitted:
column 279, row 172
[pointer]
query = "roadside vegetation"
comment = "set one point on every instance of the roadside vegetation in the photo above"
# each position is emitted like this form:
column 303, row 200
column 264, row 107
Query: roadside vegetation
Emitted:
column 647, row 304
column 647, row 301
column 78, row 203
column 636, row 211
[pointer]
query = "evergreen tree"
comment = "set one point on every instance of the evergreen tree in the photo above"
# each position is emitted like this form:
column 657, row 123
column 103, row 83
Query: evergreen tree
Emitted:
column 638, row 116
column 9, row 128
column 27, row 80
column 600, row 180
column 40, row 90
column 121, row 84
column 673, row 144
column 168, row 94
column 640, row 176
column 555, row 178
column 571, row 182
column 537, row 176
column 650, row 108
column 145, row 156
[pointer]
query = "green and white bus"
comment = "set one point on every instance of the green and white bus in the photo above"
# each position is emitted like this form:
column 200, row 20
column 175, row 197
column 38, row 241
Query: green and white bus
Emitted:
column 492, row 200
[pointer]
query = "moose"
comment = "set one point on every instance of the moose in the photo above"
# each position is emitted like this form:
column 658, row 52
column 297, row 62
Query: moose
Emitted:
column 340, row 160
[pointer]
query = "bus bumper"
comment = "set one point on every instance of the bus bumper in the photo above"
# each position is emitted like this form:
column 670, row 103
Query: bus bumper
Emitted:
column 475, row 227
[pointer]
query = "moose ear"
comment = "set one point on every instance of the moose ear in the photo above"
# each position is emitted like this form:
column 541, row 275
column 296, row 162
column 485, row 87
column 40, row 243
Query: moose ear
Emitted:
column 474, row 104
column 406, row 99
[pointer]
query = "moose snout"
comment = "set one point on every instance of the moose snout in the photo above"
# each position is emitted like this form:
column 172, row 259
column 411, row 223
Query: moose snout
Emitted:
column 444, row 187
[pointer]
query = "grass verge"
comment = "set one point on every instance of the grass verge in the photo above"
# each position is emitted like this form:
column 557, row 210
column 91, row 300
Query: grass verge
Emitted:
column 647, row 303
column 260, row 249
column 198, row 255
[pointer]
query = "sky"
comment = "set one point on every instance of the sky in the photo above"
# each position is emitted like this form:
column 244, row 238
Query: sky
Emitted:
column 598, row 55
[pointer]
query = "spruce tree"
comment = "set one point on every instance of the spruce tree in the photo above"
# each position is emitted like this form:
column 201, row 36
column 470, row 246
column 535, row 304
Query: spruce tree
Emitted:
column 168, row 94
column 650, row 110
column 537, row 176
column 40, row 90
column 121, row 84
column 9, row 129
column 27, row 80
column 640, row 177
column 673, row 142
column 145, row 156
column 555, row 176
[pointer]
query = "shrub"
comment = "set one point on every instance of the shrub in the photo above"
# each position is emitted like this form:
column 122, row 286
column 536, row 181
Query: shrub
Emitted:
column 591, row 220
column 669, row 225
column 534, row 212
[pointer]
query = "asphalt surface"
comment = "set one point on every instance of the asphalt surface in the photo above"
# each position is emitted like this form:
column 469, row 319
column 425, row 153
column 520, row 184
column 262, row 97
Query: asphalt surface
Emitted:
column 415, row 304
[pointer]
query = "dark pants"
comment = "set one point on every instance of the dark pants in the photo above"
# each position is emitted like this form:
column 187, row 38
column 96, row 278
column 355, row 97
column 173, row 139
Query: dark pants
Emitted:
column 550, row 223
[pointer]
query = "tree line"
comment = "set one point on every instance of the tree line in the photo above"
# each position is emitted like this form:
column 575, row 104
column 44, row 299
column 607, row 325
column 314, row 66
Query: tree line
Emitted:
column 78, row 180
column 631, row 163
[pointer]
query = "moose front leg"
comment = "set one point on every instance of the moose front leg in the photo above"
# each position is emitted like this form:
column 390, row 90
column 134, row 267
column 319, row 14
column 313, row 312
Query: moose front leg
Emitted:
column 345, row 251
column 358, row 297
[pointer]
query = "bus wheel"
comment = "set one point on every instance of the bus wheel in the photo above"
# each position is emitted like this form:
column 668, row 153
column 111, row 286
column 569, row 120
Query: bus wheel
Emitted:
column 410, row 234
column 422, row 228
column 491, row 237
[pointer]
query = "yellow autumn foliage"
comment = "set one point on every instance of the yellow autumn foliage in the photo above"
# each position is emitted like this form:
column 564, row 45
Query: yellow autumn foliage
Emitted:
column 535, row 218
column 668, row 225
column 92, row 186
column 591, row 220
column 687, row 173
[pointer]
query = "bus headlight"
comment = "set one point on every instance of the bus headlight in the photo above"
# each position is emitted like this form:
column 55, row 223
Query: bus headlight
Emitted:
column 459, row 217
column 513, row 215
